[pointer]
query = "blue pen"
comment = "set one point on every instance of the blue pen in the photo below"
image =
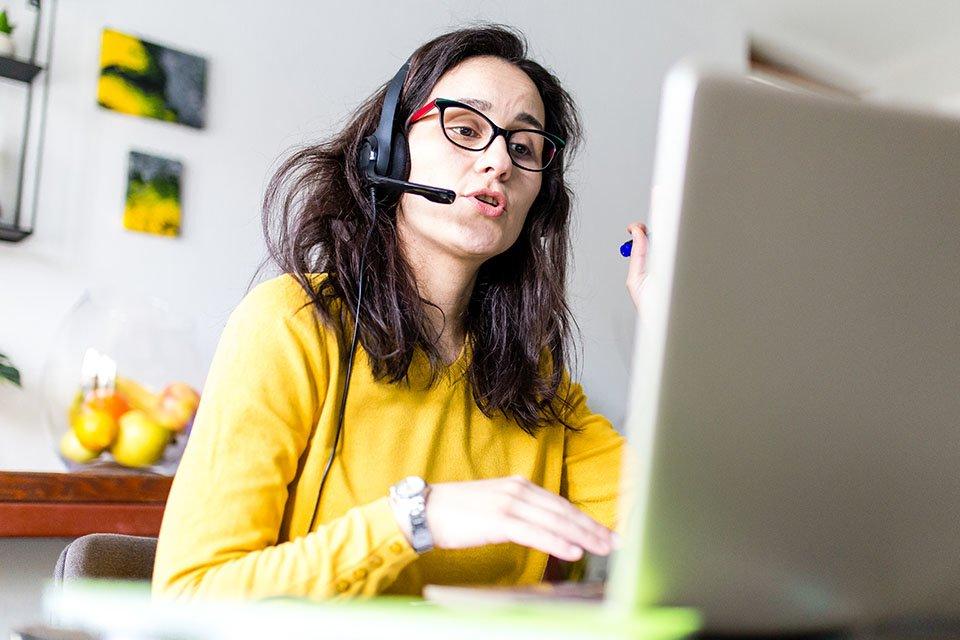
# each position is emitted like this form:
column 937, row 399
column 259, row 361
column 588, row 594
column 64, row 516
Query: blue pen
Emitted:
column 627, row 247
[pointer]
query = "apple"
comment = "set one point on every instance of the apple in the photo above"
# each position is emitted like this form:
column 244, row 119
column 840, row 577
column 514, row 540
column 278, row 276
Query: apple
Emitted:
column 141, row 440
column 177, row 405
column 183, row 391
column 71, row 449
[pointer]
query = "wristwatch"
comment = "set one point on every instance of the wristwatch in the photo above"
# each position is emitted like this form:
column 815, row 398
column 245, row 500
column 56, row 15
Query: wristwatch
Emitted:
column 409, row 496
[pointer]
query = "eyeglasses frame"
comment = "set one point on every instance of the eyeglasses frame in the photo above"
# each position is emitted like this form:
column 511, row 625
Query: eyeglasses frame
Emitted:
column 443, row 103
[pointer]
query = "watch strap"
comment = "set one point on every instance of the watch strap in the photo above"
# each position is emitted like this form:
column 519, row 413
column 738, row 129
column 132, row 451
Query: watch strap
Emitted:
column 420, row 538
column 415, row 508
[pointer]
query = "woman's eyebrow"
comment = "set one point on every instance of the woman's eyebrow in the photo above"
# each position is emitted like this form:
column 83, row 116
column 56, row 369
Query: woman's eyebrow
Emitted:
column 483, row 105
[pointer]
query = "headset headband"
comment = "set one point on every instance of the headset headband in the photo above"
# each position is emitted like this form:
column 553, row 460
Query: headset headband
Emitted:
column 384, row 132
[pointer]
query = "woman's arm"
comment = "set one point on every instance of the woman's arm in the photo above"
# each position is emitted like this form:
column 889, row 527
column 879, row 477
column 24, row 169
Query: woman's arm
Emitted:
column 266, row 385
column 592, row 462
column 594, row 456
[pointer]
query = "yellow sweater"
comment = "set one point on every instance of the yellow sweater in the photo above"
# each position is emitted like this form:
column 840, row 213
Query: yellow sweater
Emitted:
column 237, row 521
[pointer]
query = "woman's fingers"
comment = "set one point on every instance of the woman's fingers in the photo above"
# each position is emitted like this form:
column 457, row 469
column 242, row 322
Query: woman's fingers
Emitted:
column 556, row 515
column 554, row 527
column 475, row 513
column 637, row 270
column 522, row 532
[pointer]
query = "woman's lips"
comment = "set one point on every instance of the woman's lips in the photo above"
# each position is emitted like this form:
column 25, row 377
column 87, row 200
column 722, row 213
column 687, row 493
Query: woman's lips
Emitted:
column 487, row 209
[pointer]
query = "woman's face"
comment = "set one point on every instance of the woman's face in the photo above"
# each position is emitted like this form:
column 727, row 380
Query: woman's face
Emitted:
column 467, row 229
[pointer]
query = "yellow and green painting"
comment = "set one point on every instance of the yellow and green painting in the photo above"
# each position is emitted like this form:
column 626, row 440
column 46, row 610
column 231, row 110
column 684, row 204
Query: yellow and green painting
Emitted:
column 153, row 195
column 149, row 80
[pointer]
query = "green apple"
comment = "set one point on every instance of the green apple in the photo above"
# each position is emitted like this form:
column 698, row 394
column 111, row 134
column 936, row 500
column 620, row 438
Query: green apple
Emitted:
column 141, row 440
column 71, row 449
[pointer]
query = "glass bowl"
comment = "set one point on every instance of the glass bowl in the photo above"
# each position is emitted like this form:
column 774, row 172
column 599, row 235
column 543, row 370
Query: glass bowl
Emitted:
column 119, row 386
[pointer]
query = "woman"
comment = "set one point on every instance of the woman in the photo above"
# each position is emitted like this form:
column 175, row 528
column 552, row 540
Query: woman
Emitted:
column 459, row 377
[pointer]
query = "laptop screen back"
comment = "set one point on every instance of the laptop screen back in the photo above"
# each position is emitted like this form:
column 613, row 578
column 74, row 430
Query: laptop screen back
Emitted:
column 795, row 403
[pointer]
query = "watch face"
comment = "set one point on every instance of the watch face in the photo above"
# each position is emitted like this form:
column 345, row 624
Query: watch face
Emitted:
column 410, row 487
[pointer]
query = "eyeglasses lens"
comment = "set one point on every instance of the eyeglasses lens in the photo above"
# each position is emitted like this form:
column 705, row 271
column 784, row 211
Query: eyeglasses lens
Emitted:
column 469, row 130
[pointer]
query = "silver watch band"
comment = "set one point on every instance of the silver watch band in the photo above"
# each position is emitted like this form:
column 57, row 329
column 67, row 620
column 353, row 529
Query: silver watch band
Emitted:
column 410, row 497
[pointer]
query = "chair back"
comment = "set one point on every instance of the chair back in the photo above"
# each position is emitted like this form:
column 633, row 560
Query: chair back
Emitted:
column 107, row 555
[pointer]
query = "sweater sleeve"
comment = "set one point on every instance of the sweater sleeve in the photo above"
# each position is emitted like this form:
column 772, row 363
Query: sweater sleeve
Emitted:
column 592, row 461
column 261, row 402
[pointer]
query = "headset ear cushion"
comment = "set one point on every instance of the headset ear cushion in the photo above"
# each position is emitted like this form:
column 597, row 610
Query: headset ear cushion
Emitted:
column 399, row 158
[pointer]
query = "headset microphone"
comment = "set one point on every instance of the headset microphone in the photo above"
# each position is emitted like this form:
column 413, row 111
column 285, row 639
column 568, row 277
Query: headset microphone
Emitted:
column 433, row 194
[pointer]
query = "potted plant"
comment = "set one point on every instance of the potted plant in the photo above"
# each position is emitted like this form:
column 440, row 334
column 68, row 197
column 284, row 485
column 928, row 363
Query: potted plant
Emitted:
column 8, row 373
column 6, row 35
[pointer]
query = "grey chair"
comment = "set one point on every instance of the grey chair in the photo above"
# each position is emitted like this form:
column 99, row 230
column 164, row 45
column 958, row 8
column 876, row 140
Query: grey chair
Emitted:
column 107, row 555
column 98, row 555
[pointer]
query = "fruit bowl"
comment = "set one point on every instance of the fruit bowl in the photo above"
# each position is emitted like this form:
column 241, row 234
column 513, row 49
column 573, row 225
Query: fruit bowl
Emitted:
column 120, row 384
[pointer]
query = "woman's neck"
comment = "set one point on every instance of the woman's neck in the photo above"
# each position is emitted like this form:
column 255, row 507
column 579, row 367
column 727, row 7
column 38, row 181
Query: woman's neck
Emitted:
column 447, row 283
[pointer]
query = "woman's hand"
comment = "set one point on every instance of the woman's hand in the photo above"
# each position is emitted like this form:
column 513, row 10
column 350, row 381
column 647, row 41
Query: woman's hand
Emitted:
column 472, row 514
column 637, row 271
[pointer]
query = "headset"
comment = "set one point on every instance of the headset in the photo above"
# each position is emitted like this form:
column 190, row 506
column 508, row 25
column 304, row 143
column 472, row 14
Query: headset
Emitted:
column 384, row 156
column 384, row 160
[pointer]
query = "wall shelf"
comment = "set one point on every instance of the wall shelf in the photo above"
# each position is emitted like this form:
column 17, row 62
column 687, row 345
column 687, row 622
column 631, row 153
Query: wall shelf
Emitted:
column 18, row 70
column 9, row 233
column 74, row 504
column 18, row 218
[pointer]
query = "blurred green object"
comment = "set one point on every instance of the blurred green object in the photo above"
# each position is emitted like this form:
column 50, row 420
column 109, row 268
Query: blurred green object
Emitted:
column 8, row 372
column 125, row 609
column 5, row 26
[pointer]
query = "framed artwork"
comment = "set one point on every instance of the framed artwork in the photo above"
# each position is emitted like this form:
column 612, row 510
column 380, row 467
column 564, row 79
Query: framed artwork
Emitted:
column 153, row 195
column 152, row 81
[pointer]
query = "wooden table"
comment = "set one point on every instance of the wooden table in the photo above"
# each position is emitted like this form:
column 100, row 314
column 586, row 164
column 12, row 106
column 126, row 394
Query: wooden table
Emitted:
column 74, row 504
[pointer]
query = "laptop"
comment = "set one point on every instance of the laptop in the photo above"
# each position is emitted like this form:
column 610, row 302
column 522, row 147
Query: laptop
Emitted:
column 795, row 398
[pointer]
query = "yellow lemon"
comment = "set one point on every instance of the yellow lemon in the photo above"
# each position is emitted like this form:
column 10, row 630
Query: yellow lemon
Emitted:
column 71, row 449
column 95, row 428
column 141, row 440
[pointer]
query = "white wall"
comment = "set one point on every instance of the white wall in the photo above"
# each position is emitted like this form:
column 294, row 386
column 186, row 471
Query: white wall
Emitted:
column 286, row 75
column 282, row 73
column 885, row 50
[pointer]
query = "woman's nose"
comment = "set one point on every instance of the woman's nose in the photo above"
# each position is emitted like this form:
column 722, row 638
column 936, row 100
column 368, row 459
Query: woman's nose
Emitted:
column 496, row 158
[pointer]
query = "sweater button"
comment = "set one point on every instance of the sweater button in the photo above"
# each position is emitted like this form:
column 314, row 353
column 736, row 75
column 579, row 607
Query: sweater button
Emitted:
column 342, row 586
column 376, row 561
column 396, row 547
column 359, row 574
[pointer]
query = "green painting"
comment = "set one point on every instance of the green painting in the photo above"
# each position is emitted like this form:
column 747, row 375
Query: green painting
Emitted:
column 149, row 80
column 153, row 195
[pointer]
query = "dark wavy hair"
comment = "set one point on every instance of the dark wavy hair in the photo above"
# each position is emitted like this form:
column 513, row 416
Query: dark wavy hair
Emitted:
column 316, row 213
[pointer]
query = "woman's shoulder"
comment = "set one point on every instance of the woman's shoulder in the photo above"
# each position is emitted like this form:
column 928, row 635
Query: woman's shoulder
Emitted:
column 282, row 296
column 277, row 316
column 282, row 291
column 279, row 304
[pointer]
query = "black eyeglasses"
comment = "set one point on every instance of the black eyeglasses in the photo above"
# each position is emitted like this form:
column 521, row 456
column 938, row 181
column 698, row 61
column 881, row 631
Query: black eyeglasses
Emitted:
column 464, row 126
